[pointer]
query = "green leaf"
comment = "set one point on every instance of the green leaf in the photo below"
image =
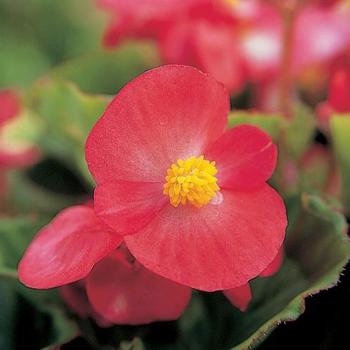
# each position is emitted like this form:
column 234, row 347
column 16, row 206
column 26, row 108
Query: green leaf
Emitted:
column 105, row 72
column 135, row 344
column 38, row 314
column 28, row 196
column 299, row 131
column 68, row 116
column 340, row 128
column 269, row 123
column 15, row 235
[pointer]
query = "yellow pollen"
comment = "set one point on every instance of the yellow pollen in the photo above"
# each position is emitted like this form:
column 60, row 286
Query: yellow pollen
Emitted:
column 191, row 181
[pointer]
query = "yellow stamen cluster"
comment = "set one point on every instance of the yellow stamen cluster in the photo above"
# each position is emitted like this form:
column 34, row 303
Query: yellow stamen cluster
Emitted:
column 191, row 181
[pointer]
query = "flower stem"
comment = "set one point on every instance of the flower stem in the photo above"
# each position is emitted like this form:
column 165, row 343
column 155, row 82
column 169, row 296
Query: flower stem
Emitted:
column 286, row 82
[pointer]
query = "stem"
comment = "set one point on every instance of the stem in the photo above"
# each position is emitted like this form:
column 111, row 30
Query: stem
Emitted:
column 286, row 82
column 8, row 273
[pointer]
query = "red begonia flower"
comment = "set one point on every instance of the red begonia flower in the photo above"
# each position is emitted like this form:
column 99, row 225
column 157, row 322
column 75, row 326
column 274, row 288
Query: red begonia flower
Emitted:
column 339, row 90
column 75, row 297
column 313, row 42
column 338, row 100
column 142, row 19
column 196, row 32
column 66, row 250
column 124, row 292
column 239, row 296
column 211, row 226
column 12, row 156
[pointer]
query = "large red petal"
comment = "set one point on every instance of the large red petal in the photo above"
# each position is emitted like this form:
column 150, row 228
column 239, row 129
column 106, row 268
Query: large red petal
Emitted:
column 128, row 206
column 240, row 296
column 127, row 293
column 245, row 157
column 167, row 113
column 66, row 250
column 217, row 247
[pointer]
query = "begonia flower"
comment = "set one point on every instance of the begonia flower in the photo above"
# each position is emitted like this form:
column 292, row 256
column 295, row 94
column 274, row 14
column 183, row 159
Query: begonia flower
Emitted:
column 338, row 100
column 142, row 19
column 235, row 42
column 190, row 198
column 12, row 154
column 197, row 32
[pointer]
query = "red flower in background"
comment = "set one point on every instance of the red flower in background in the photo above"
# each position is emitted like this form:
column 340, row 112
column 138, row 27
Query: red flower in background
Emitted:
column 141, row 19
column 234, row 43
column 190, row 199
column 338, row 100
column 12, row 156
column 197, row 32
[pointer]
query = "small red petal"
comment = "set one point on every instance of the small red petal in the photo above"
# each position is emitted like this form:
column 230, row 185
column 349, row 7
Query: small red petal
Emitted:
column 128, row 206
column 220, row 246
column 275, row 265
column 10, row 105
column 339, row 90
column 127, row 293
column 167, row 113
column 245, row 157
column 239, row 296
column 19, row 159
column 66, row 250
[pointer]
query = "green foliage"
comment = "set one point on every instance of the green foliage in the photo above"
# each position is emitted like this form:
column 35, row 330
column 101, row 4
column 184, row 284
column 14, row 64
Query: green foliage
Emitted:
column 105, row 72
column 298, row 132
column 45, row 33
column 269, row 123
column 67, row 115
column 38, row 314
column 340, row 128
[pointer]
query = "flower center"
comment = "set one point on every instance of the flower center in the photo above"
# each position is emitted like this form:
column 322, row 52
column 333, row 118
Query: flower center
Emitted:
column 192, row 180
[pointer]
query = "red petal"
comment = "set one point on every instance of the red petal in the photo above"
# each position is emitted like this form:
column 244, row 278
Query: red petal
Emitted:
column 217, row 247
column 245, row 157
column 10, row 105
column 128, row 206
column 240, row 296
column 66, row 250
column 167, row 113
column 315, row 42
column 75, row 297
column 275, row 265
column 339, row 90
column 19, row 159
column 127, row 293
column 217, row 53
